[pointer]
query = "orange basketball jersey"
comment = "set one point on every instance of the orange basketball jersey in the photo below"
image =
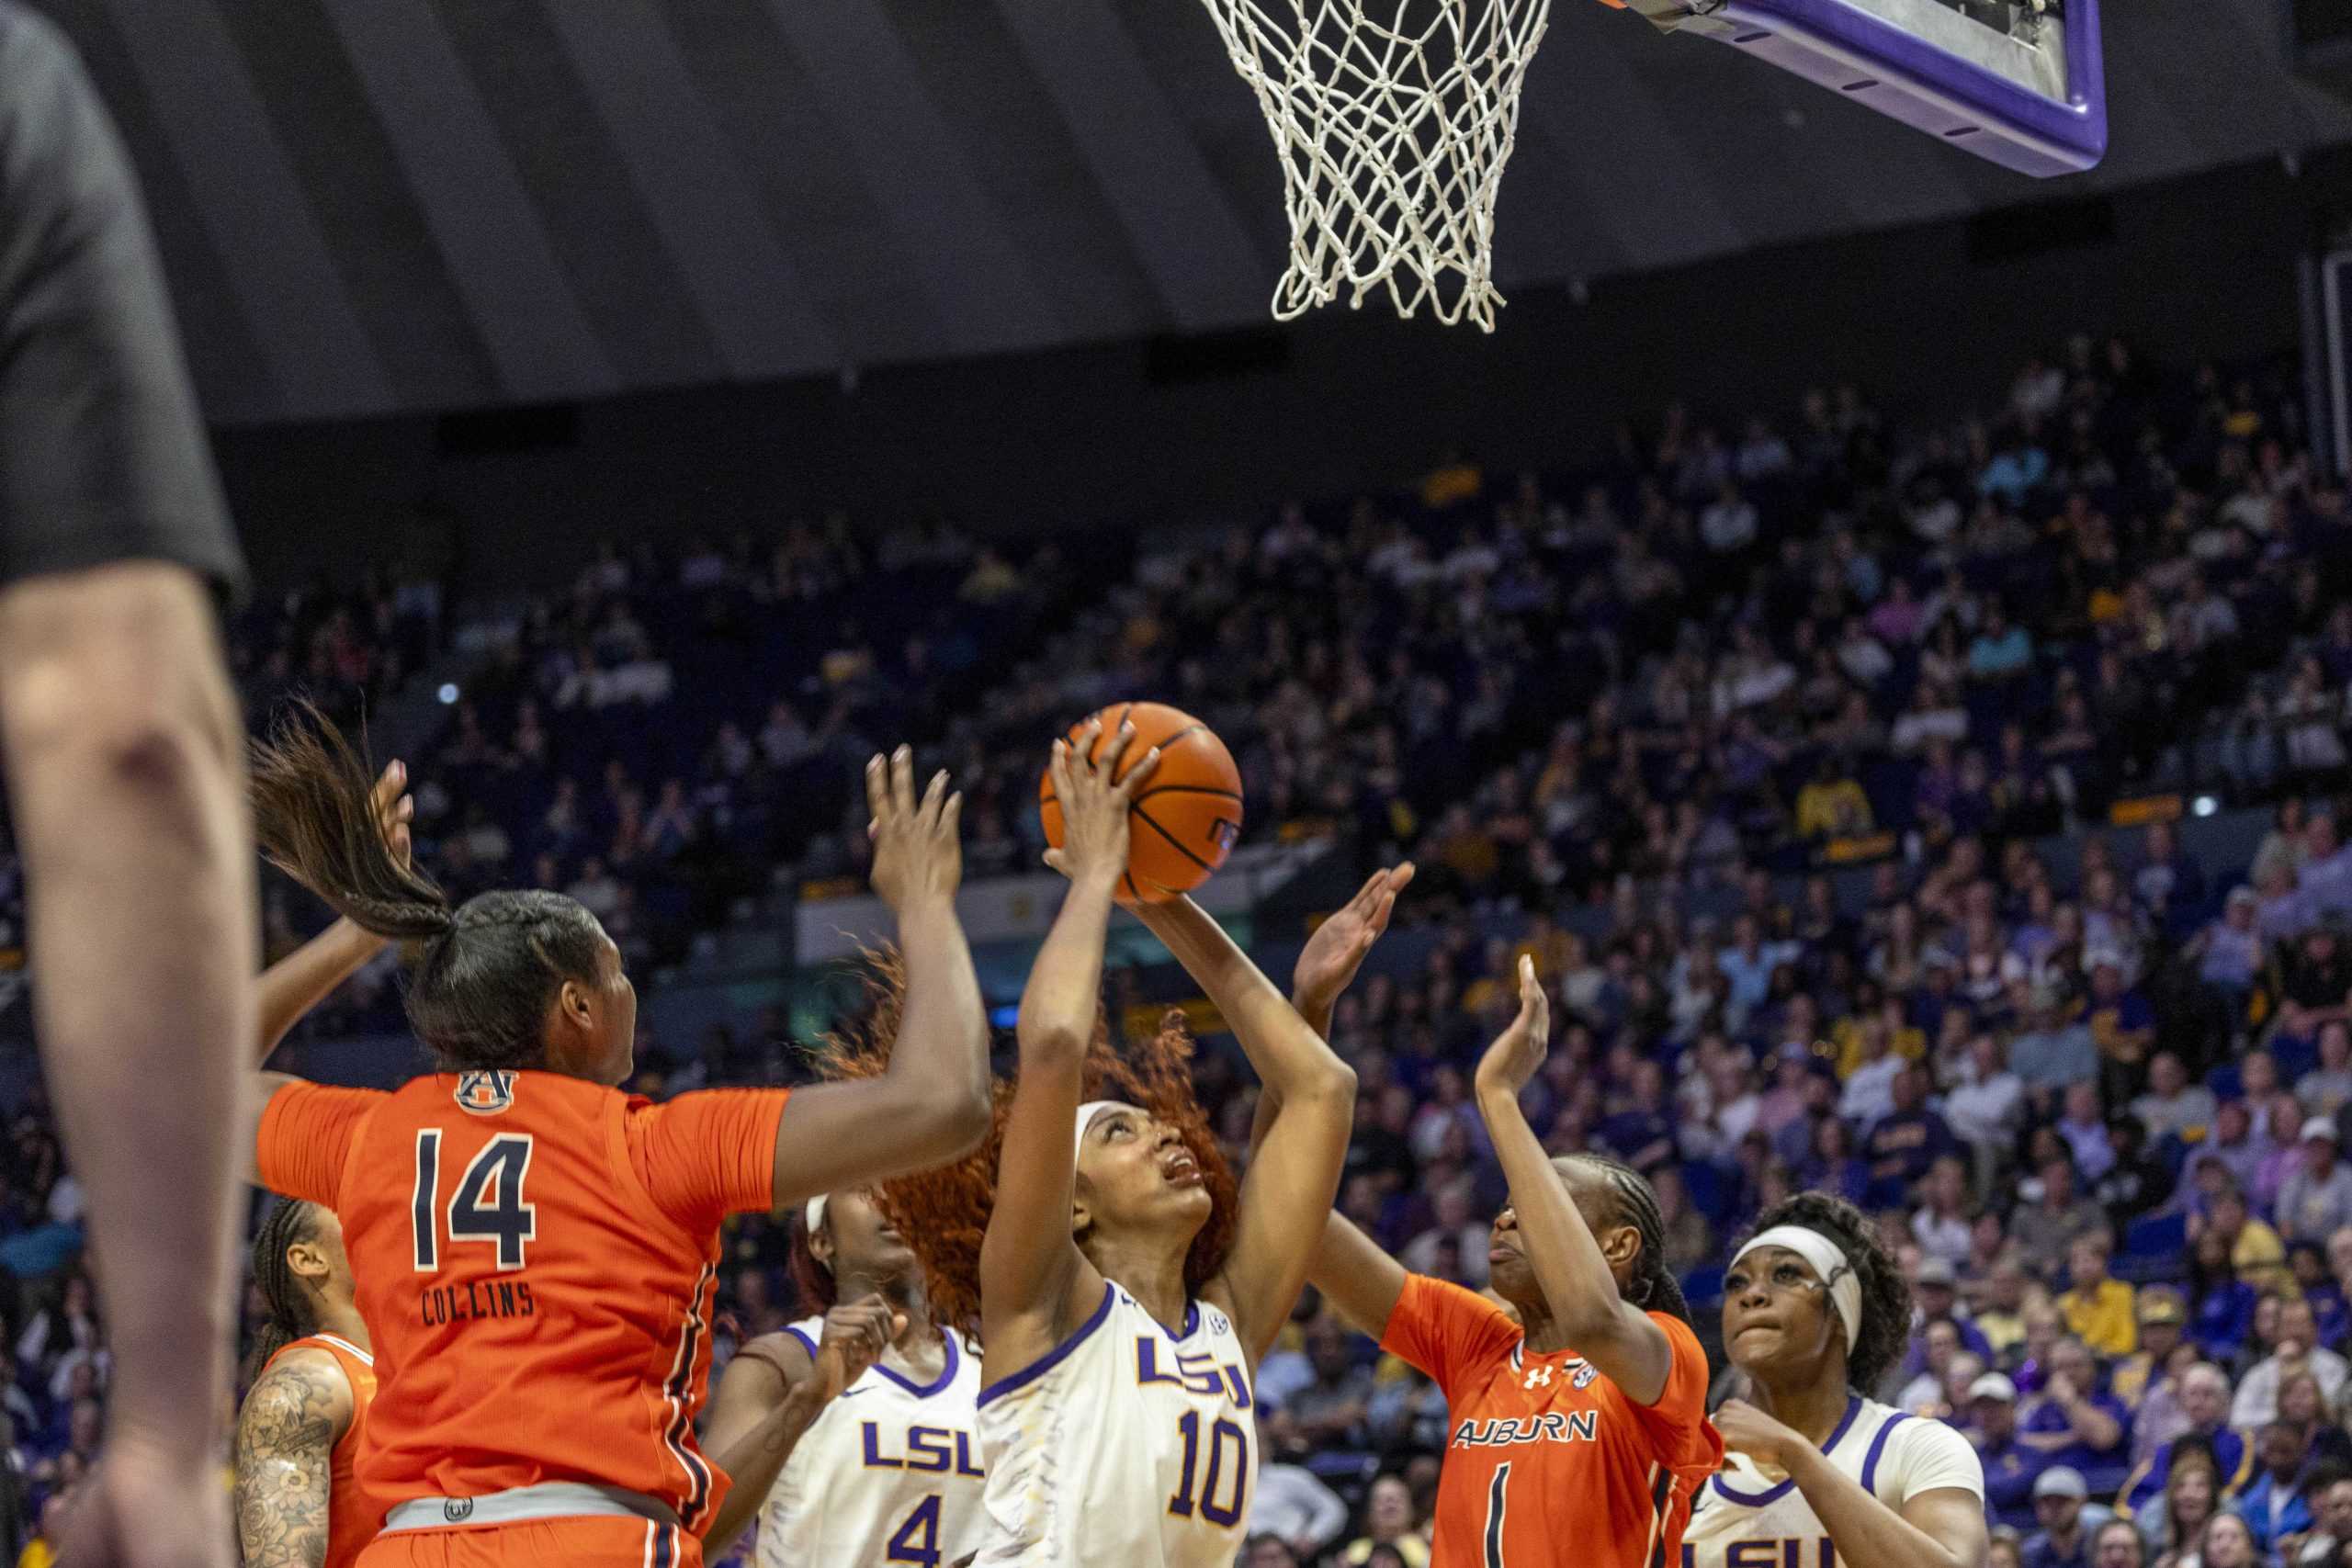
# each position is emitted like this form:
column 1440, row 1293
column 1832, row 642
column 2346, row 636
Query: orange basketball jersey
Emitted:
column 352, row 1520
column 1547, row 1462
column 534, row 1257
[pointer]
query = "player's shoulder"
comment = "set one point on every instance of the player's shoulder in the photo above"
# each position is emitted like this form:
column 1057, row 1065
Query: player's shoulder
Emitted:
column 302, row 1384
column 1915, row 1454
column 789, row 1351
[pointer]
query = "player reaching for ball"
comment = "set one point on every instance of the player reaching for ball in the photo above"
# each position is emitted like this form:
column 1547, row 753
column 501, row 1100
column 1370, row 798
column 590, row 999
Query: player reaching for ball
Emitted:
column 1124, row 1289
column 1580, row 1430
column 536, row 1252
column 1814, row 1310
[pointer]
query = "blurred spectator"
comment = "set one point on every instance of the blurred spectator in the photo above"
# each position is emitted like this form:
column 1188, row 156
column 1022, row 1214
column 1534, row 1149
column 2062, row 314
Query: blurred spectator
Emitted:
column 2058, row 1540
column 1391, row 1523
column 2315, row 1199
column 2205, row 1400
column 2298, row 1350
column 2273, row 1504
column 2098, row 1309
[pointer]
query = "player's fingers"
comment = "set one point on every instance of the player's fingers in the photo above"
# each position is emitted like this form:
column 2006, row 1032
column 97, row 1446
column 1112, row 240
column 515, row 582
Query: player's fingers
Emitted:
column 388, row 784
column 1115, row 749
column 951, row 816
column 1140, row 774
column 1083, row 747
column 934, row 796
column 878, row 793
column 902, row 779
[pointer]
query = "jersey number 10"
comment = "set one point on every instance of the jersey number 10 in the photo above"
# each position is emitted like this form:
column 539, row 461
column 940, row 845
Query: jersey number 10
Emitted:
column 487, row 1207
column 1187, row 1500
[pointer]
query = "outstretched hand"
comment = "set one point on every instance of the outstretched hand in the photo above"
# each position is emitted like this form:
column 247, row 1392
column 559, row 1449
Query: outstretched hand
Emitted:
column 1096, row 799
column 918, row 852
column 1329, row 963
column 1512, row 1060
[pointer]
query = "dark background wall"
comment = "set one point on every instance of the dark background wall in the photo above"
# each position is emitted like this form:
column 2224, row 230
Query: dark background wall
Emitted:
column 1931, row 317
column 391, row 206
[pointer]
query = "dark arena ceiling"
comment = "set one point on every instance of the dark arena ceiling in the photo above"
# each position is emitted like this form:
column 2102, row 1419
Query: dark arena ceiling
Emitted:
column 387, row 205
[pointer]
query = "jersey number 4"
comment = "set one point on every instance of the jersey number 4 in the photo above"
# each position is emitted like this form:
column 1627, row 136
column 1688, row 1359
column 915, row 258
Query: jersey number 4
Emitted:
column 487, row 1207
column 917, row 1540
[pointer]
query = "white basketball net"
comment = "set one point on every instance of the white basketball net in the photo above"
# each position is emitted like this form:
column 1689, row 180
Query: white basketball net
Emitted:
column 1393, row 132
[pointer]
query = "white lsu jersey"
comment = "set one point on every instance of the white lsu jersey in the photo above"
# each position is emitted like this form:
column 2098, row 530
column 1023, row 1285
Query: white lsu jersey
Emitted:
column 890, row 1472
column 1125, row 1447
column 1741, row 1519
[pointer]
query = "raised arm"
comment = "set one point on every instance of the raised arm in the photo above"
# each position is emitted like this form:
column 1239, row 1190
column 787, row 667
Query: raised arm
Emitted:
column 286, row 1432
column 1032, row 1273
column 1355, row 1276
column 930, row 1105
column 771, row 1392
column 1307, row 1110
column 1612, row 1334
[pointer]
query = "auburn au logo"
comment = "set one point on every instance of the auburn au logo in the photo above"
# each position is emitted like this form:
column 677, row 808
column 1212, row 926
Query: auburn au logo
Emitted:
column 486, row 1092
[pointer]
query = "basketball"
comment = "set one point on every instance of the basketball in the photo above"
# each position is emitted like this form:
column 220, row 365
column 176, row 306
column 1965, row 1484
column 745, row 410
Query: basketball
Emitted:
column 1189, row 815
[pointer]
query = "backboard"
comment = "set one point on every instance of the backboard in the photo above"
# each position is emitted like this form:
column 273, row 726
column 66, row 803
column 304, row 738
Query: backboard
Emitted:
column 2016, row 81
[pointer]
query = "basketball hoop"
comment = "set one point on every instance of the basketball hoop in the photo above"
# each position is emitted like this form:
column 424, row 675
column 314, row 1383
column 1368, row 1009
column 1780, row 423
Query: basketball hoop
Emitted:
column 1393, row 132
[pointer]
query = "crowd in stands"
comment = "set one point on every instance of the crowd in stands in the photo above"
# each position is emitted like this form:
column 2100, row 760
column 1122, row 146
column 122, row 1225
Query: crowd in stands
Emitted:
column 2097, row 1093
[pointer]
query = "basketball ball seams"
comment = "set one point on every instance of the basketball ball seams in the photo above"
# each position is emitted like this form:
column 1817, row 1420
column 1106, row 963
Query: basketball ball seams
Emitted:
column 1187, row 789
column 1173, row 841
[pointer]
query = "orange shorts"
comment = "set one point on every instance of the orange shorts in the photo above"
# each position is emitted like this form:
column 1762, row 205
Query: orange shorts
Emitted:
column 574, row 1543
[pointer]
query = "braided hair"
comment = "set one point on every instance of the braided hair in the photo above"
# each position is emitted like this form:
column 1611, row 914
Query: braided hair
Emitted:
column 483, row 974
column 1886, row 1297
column 1653, row 1287
column 291, row 1315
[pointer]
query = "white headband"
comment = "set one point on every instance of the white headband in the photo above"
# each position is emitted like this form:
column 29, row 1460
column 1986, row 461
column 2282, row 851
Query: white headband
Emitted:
column 815, row 1213
column 1086, row 1114
column 1845, row 1286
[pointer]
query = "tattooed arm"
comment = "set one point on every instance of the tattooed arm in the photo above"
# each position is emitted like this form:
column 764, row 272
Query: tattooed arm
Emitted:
column 285, row 1438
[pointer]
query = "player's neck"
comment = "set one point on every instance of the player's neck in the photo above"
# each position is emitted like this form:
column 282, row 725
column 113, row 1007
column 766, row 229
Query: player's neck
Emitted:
column 342, row 1319
column 1540, row 1336
column 1813, row 1408
column 1150, row 1274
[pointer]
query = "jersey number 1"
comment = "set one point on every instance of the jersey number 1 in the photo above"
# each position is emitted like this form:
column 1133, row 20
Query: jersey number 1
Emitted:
column 1494, row 1558
column 487, row 1207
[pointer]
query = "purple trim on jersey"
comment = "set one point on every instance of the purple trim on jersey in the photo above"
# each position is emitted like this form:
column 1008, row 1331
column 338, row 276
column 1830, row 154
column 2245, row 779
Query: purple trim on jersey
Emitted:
column 1878, row 1446
column 1774, row 1493
column 924, row 1391
column 806, row 1343
column 1051, row 1358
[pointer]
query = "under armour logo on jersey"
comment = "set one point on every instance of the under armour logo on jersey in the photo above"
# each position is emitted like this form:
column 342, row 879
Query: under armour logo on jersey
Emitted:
column 1538, row 1377
column 486, row 1092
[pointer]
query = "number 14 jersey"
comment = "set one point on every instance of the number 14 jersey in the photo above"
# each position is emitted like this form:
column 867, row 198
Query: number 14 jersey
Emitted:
column 535, row 1256
column 1547, row 1462
column 1124, row 1447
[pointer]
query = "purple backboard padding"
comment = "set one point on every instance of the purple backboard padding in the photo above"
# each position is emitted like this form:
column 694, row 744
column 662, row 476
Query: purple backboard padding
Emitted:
column 1917, row 83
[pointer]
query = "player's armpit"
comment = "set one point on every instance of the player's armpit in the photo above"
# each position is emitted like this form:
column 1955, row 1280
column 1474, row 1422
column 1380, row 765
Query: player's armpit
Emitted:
column 285, row 1438
column 1355, row 1276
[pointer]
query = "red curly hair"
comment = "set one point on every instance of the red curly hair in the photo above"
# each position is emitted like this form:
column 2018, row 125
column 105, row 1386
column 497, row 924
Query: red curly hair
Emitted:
column 943, row 1214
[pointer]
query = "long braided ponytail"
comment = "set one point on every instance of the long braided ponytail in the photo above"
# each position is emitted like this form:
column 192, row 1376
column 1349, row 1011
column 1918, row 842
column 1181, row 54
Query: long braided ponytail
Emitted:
column 290, row 1224
column 1653, row 1287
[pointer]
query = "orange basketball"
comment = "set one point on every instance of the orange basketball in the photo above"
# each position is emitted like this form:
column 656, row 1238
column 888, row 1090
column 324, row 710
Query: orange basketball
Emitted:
column 1187, row 818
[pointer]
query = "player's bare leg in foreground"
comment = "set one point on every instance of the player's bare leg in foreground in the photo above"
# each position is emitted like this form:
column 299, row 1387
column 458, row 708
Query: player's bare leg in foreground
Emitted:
column 126, row 775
